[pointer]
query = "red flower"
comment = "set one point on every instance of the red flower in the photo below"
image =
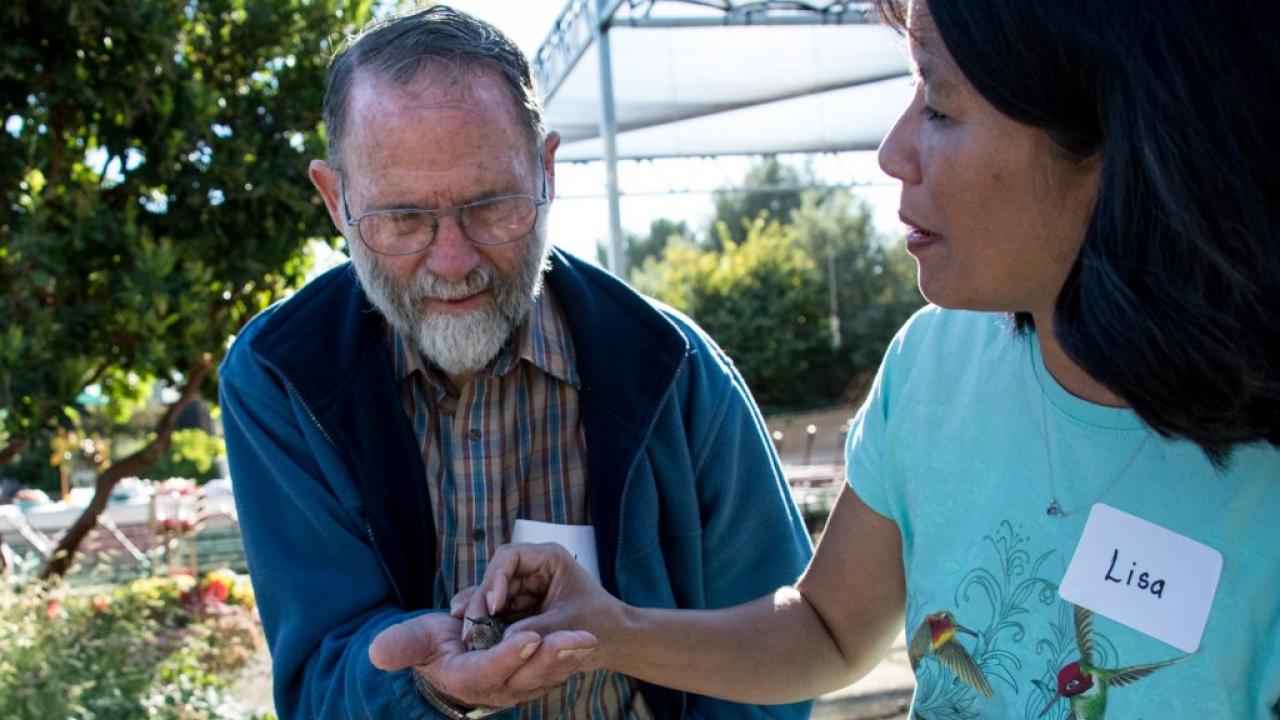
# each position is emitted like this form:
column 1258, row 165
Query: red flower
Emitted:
column 52, row 608
column 216, row 591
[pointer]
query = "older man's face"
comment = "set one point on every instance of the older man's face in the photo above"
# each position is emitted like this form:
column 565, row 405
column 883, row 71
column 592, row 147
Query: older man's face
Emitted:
column 442, row 143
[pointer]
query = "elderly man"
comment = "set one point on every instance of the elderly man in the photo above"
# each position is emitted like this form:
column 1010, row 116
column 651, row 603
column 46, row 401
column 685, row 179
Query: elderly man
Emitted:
column 391, row 423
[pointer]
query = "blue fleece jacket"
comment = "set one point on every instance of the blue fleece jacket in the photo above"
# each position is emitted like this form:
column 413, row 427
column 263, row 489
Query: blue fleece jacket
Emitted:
column 687, row 497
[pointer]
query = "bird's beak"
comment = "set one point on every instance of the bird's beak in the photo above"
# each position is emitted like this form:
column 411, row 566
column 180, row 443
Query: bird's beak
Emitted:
column 1052, row 701
column 963, row 629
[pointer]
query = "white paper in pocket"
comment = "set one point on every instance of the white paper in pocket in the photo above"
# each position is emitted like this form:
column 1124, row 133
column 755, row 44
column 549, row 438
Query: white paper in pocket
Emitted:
column 579, row 540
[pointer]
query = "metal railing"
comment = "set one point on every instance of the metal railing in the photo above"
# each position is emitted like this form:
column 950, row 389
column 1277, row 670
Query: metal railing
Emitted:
column 112, row 552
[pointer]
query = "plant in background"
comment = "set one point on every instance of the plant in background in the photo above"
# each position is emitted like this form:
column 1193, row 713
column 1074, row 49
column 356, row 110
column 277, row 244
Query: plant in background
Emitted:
column 161, row 648
column 228, row 587
column 794, row 284
column 762, row 300
column 70, row 449
column 153, row 197
column 870, row 280
column 193, row 454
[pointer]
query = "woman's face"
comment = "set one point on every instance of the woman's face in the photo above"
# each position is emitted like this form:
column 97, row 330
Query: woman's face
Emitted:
column 996, row 211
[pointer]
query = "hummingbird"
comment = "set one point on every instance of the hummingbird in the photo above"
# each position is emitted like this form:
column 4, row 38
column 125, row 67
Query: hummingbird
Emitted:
column 1084, row 685
column 937, row 636
column 484, row 633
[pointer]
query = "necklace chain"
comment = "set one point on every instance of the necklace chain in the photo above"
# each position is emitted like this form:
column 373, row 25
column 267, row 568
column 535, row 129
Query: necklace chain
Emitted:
column 1055, row 508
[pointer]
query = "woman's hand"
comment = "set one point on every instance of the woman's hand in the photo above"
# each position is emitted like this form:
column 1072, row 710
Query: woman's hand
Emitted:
column 542, row 589
column 797, row 643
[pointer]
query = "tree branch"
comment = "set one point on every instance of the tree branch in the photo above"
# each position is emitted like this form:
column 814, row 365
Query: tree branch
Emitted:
column 134, row 464
column 10, row 451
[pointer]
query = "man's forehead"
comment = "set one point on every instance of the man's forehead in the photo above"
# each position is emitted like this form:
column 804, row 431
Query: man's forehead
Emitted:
column 454, row 111
column 436, row 85
column 433, row 143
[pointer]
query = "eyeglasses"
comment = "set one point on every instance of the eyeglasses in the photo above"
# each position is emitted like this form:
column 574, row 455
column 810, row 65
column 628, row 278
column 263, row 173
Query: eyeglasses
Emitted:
column 407, row 231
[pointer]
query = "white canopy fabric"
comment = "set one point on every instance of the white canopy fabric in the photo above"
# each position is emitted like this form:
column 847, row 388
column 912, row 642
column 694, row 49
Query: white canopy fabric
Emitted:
column 853, row 118
column 691, row 91
column 693, row 78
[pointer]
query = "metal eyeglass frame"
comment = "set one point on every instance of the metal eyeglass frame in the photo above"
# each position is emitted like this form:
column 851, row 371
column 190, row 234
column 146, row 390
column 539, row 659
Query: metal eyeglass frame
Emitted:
column 436, row 214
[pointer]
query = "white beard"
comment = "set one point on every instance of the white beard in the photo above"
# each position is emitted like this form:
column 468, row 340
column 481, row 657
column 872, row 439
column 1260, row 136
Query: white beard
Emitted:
column 459, row 344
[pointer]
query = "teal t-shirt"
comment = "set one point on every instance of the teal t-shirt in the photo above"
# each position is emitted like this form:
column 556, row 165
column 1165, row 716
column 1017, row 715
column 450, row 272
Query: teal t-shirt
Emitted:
column 954, row 445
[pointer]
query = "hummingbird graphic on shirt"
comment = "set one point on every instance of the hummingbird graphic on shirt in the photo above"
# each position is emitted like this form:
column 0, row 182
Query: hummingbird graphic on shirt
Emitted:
column 1085, row 685
column 936, row 636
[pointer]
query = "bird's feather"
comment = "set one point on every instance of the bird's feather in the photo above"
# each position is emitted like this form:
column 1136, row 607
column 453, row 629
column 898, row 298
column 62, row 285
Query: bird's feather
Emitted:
column 921, row 644
column 1084, row 633
column 1128, row 676
column 957, row 659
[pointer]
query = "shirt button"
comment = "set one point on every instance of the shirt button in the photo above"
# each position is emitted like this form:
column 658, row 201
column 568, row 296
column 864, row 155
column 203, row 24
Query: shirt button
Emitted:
column 474, row 434
column 478, row 534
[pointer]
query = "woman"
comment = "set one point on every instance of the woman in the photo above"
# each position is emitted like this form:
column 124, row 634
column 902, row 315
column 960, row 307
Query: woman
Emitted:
column 1065, row 482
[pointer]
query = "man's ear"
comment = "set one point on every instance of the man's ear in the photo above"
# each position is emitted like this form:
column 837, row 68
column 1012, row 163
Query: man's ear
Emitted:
column 326, row 180
column 549, row 146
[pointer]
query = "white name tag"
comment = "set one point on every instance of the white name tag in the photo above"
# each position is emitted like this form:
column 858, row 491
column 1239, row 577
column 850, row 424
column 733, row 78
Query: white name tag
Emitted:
column 579, row 540
column 1144, row 576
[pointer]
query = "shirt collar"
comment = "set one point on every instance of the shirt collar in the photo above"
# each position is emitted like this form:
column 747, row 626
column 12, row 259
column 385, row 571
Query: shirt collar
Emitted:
column 542, row 340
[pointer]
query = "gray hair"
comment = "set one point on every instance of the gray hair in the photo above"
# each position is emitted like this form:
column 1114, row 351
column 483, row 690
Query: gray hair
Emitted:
column 400, row 47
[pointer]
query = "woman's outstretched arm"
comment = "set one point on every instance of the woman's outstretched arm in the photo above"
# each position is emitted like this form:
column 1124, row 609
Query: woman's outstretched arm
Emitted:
column 802, row 641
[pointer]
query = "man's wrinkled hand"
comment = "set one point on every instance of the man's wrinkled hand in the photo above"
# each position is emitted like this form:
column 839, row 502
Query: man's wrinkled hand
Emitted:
column 522, row 667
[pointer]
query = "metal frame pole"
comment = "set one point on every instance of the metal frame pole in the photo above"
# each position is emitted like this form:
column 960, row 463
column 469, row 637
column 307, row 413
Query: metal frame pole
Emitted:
column 609, row 134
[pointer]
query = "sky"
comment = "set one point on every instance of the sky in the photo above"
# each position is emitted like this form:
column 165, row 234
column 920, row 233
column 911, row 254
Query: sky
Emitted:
column 579, row 219
column 527, row 22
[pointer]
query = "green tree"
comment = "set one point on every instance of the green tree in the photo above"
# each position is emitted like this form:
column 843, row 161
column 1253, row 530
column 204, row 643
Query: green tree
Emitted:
column 192, row 454
column 805, row 306
column 153, row 196
column 771, row 187
column 762, row 300
column 639, row 248
column 873, row 277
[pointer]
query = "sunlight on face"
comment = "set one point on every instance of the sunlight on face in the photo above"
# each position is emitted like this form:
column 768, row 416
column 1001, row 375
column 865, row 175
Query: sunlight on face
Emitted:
column 996, row 211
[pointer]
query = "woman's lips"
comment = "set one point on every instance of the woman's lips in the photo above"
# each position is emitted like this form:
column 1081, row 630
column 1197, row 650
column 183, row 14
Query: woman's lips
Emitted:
column 918, row 237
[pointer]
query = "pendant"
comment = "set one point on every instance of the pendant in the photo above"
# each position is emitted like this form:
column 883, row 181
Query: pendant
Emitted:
column 1053, row 510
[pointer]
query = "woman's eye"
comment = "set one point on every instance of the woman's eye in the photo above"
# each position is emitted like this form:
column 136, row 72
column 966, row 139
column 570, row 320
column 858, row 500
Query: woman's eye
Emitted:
column 932, row 115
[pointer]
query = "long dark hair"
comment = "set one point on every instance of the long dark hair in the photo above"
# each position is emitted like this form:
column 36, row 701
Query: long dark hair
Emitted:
column 1174, row 300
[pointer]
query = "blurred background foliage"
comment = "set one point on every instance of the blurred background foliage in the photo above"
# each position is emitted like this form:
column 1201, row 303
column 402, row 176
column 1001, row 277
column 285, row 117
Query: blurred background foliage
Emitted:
column 153, row 197
column 192, row 454
column 162, row 648
column 793, row 283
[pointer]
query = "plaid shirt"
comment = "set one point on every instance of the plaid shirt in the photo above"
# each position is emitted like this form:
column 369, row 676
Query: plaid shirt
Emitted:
column 509, row 444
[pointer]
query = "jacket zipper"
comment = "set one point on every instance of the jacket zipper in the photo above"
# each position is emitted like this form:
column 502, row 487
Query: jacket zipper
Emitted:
column 368, row 527
column 368, row 530
column 314, row 421
column 626, row 485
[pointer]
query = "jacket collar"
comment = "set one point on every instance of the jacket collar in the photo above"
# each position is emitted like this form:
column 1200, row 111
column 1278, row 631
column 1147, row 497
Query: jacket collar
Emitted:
column 329, row 343
column 628, row 355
